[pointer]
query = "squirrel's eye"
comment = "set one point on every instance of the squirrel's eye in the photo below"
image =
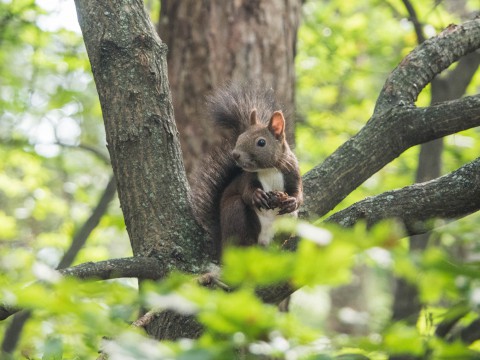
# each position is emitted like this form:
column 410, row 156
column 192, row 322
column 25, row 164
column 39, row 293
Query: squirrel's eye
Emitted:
column 261, row 142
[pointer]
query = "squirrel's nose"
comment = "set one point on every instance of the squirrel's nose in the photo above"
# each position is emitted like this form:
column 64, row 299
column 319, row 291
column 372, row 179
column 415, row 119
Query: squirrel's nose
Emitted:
column 236, row 155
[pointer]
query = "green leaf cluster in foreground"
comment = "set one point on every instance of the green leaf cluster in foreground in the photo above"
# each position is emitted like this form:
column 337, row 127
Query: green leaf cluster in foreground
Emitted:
column 70, row 318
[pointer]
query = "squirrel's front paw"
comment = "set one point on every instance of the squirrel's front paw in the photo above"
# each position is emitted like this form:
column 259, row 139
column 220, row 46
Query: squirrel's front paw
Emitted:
column 288, row 205
column 260, row 199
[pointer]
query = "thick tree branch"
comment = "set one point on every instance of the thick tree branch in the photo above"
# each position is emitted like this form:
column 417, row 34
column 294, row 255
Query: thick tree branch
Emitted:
column 451, row 196
column 379, row 142
column 407, row 304
column 137, row 267
column 396, row 128
column 429, row 59
column 439, row 120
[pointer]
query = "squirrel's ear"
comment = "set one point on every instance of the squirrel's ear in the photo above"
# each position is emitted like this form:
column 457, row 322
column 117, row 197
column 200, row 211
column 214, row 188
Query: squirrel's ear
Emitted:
column 277, row 125
column 253, row 117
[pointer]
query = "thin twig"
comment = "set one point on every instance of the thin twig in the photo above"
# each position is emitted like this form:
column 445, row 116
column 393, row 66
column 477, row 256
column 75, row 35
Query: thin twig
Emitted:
column 414, row 19
column 84, row 232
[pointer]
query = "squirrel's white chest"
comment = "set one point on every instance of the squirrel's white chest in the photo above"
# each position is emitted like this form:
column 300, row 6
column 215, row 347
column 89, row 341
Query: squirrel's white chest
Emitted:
column 271, row 179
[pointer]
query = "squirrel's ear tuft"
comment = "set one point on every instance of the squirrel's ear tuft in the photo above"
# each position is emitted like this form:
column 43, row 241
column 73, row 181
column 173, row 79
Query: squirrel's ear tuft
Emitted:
column 277, row 125
column 253, row 117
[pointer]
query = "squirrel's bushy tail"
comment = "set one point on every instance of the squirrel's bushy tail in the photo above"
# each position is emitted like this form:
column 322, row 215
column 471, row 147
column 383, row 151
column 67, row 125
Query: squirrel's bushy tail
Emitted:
column 215, row 172
column 230, row 109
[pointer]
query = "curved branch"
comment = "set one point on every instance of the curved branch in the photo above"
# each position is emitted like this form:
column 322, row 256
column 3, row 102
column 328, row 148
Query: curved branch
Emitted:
column 396, row 128
column 451, row 196
column 430, row 58
column 383, row 138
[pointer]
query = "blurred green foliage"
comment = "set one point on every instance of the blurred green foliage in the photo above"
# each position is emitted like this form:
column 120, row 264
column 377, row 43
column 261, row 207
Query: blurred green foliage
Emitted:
column 50, row 179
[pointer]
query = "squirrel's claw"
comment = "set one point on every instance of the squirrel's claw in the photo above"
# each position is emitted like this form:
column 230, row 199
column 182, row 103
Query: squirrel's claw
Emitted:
column 260, row 199
column 288, row 205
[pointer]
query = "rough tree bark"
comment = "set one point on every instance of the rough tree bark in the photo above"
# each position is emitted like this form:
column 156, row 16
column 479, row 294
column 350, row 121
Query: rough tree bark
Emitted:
column 212, row 42
column 224, row 41
column 129, row 66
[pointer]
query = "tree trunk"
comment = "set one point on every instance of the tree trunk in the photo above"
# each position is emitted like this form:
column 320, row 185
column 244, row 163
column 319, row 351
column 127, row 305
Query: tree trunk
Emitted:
column 213, row 42
column 129, row 67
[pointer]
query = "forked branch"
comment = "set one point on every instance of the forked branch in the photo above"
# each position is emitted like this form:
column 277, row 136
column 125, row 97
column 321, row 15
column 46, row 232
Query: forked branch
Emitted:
column 397, row 124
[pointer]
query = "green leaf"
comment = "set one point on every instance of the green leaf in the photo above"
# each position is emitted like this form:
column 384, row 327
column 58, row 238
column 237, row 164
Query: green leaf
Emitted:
column 53, row 349
column 255, row 265
column 403, row 339
column 236, row 312
column 328, row 265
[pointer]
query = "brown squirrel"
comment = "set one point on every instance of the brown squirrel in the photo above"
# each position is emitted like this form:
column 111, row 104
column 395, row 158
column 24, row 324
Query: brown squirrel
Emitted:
column 253, row 176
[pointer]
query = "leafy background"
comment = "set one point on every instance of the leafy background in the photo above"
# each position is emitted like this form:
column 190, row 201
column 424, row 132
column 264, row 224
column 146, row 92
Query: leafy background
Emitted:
column 53, row 171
